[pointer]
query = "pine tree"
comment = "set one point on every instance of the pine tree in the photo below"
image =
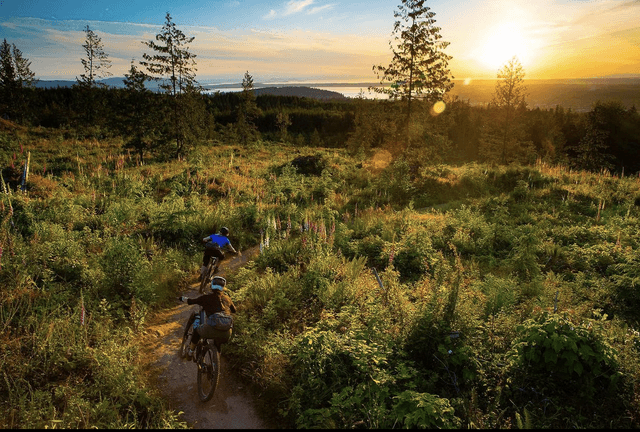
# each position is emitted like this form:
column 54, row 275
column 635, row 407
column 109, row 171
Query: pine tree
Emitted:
column 139, row 111
column 7, row 73
column 509, row 97
column 175, row 67
column 15, row 77
column 283, row 121
column 24, row 75
column 419, row 68
column 247, row 111
column 172, row 59
column 96, row 63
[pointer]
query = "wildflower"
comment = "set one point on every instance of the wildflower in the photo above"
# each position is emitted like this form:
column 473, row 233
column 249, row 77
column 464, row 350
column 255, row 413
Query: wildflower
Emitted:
column 82, row 312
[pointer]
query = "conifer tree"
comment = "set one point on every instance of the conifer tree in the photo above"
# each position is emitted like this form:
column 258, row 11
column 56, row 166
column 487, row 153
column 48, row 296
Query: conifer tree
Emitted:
column 139, row 112
column 283, row 121
column 15, row 76
column 419, row 68
column 96, row 63
column 247, row 111
column 174, row 66
column 508, row 98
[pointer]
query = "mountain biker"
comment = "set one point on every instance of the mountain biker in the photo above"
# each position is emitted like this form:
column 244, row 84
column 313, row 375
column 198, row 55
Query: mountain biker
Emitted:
column 215, row 245
column 212, row 303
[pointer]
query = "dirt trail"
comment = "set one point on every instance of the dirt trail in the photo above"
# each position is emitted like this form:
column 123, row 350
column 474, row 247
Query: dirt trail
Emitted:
column 232, row 406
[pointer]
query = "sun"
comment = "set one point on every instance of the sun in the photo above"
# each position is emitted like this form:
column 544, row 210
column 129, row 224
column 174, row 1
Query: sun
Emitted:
column 504, row 42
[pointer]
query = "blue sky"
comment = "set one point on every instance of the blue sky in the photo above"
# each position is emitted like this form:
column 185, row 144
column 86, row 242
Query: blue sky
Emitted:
column 332, row 40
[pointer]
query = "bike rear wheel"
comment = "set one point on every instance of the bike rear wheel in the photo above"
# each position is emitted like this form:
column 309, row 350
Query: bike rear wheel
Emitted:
column 208, row 371
column 186, row 337
column 208, row 274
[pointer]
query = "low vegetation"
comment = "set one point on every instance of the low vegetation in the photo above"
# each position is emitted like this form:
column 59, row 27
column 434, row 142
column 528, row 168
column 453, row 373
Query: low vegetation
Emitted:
column 386, row 294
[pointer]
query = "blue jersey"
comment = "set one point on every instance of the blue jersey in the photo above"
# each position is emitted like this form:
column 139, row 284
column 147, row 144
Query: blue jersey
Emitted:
column 220, row 240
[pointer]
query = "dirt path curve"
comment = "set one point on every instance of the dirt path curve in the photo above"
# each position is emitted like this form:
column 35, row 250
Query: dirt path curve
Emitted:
column 232, row 406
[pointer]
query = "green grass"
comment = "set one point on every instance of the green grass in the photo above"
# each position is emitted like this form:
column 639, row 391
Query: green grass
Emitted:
column 472, row 260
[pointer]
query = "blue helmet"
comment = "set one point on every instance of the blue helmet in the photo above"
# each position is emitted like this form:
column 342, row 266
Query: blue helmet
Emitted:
column 218, row 283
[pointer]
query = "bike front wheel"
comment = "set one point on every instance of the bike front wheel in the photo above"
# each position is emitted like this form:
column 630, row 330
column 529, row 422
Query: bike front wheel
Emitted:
column 186, row 337
column 208, row 371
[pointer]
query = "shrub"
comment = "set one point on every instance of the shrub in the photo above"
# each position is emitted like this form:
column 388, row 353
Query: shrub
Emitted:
column 553, row 345
column 121, row 262
column 500, row 294
column 424, row 411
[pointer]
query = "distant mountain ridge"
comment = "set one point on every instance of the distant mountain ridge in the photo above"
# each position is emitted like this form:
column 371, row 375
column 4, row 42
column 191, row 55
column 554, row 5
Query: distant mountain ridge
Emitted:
column 301, row 91
column 280, row 90
column 577, row 94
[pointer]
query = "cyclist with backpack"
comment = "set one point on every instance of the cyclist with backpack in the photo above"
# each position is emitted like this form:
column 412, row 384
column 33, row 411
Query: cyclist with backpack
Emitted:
column 215, row 246
column 217, row 322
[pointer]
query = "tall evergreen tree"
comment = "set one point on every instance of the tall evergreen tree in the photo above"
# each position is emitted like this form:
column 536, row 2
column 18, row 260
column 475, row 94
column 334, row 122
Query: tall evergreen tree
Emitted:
column 509, row 99
column 139, row 111
column 174, row 66
column 247, row 111
column 96, row 62
column 15, row 76
column 419, row 68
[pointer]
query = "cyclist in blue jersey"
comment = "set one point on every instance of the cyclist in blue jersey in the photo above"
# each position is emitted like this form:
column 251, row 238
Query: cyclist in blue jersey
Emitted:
column 215, row 246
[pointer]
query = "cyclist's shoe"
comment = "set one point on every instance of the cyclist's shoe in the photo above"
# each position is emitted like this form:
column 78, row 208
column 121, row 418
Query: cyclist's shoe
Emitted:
column 190, row 355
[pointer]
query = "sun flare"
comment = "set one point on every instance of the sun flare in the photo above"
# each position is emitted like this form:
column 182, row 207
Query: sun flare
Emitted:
column 502, row 44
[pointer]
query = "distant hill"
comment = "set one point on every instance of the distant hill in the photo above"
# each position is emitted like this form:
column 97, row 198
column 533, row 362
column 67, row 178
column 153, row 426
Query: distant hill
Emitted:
column 301, row 91
column 577, row 94
column 117, row 82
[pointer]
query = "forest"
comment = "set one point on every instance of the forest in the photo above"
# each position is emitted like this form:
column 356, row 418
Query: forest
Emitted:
column 424, row 262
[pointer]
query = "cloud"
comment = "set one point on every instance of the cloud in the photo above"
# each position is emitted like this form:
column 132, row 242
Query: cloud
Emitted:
column 297, row 6
column 272, row 14
column 320, row 9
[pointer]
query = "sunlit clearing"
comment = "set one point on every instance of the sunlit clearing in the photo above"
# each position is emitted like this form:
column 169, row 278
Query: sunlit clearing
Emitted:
column 467, row 81
column 380, row 160
column 438, row 108
column 502, row 44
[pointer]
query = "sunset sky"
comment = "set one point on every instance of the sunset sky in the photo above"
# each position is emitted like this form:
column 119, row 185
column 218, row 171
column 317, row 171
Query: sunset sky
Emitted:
column 331, row 40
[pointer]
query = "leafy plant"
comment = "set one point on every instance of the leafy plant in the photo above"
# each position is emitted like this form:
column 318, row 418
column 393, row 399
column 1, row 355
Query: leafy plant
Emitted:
column 553, row 344
column 415, row 410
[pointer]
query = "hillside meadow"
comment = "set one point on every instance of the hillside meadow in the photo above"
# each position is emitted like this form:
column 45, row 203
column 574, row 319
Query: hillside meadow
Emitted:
column 386, row 295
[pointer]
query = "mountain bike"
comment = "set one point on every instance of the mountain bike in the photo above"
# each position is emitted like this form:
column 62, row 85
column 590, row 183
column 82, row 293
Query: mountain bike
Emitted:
column 207, row 356
column 212, row 267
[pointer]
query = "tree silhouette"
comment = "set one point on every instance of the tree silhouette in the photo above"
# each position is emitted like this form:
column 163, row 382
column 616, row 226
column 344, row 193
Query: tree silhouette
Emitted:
column 139, row 112
column 15, row 76
column 175, row 67
column 419, row 68
column 96, row 63
column 509, row 95
column 247, row 110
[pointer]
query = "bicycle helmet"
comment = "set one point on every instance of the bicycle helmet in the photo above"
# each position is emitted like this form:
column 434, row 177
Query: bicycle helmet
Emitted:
column 218, row 283
column 224, row 231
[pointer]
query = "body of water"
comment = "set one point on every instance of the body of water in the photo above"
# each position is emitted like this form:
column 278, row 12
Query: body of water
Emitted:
column 350, row 92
